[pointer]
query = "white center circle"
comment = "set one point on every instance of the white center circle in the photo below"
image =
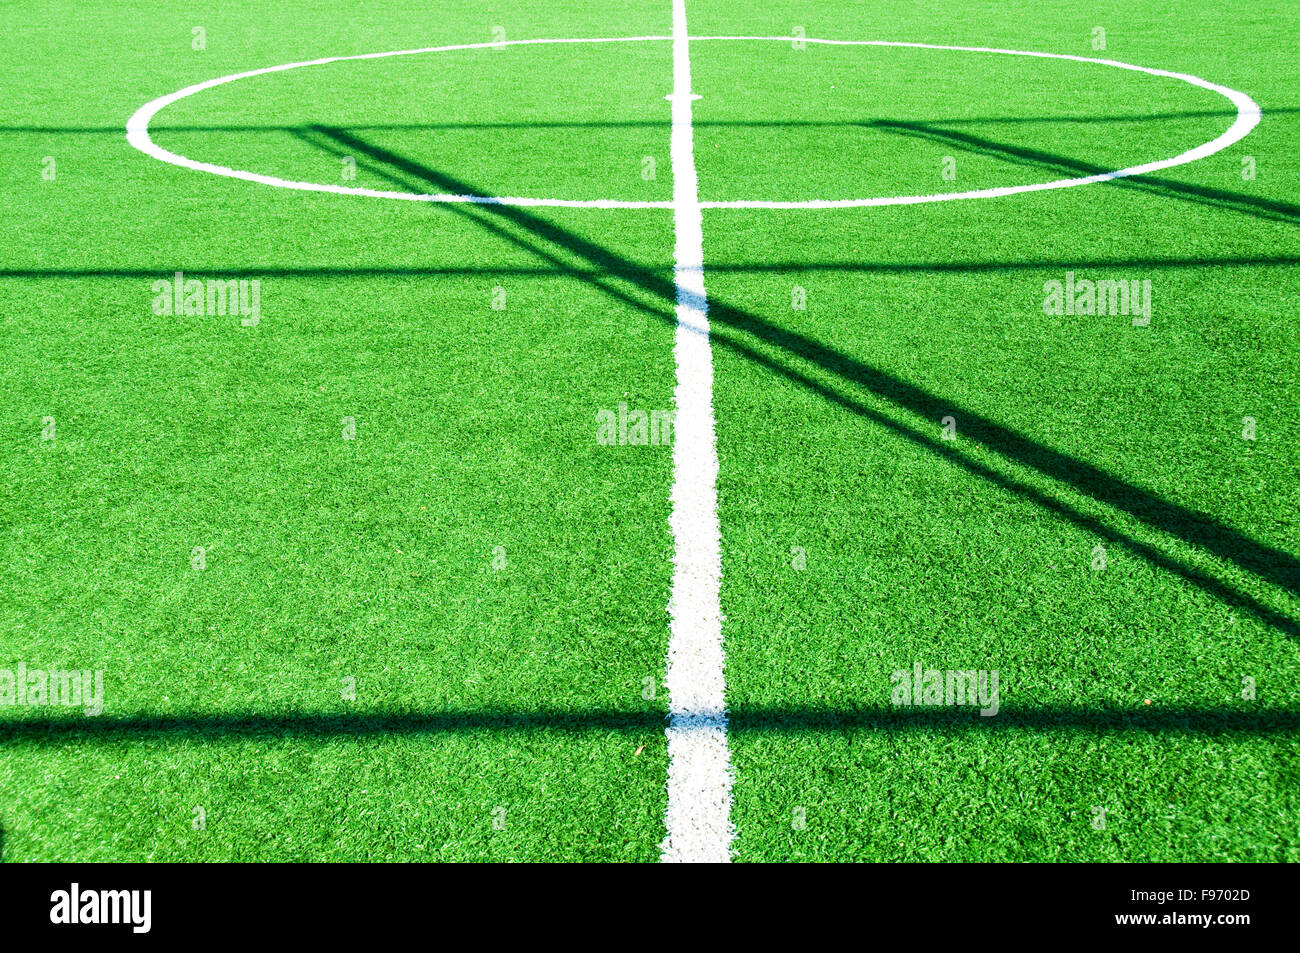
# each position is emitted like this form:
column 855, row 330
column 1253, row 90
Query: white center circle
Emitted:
column 1248, row 116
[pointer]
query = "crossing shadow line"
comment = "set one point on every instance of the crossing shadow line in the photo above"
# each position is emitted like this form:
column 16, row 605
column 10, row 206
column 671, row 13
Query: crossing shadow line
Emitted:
column 545, row 239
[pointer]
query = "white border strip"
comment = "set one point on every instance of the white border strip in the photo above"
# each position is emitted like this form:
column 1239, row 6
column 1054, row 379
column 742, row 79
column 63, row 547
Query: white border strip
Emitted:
column 1248, row 116
column 698, row 818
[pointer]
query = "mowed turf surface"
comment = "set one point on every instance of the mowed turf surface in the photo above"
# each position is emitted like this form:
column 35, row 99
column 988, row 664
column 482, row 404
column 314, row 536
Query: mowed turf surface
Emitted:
column 507, row 700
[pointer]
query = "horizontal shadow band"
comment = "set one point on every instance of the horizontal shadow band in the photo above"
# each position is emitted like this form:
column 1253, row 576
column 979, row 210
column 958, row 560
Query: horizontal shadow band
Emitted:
column 564, row 271
column 162, row 127
column 323, row 726
column 752, row 123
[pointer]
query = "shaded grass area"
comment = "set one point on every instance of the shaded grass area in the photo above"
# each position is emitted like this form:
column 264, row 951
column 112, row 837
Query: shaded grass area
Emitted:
column 35, row 732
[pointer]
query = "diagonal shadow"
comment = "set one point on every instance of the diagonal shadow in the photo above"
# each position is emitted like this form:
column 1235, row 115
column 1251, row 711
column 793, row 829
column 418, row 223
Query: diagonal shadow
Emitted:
column 1273, row 564
column 1256, row 206
column 200, row 726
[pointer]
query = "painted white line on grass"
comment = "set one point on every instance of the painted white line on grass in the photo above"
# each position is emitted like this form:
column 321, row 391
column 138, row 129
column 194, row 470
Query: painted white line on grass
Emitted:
column 698, row 819
column 137, row 133
column 1248, row 116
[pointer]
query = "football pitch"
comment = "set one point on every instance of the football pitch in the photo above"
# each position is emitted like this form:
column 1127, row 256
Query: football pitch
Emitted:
column 659, row 430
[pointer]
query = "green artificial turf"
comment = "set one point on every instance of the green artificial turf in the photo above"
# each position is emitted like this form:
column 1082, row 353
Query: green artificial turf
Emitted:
column 493, row 582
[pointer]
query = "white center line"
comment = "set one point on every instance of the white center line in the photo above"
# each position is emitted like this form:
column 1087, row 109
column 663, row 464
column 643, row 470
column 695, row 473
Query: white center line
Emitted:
column 698, row 819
